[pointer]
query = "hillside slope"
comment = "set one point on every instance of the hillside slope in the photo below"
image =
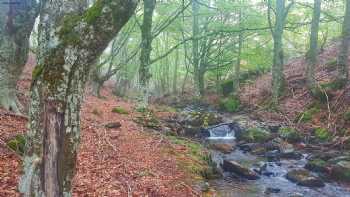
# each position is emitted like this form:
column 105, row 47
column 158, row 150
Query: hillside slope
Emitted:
column 298, row 100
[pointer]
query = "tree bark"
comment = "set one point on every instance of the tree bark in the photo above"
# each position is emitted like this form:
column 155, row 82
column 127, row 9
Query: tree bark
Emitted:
column 71, row 38
column 146, row 48
column 313, row 50
column 236, row 81
column 16, row 23
column 195, row 47
column 278, row 80
column 343, row 70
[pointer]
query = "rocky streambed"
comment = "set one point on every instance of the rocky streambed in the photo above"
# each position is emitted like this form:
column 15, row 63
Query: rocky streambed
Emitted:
column 263, row 159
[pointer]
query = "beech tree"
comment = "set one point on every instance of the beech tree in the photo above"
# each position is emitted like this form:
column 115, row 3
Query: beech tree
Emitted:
column 16, row 23
column 71, row 38
column 146, row 49
column 277, row 34
column 313, row 50
column 343, row 70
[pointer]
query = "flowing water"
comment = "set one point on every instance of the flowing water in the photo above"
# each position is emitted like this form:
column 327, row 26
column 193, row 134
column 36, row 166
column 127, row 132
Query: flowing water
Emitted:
column 234, row 186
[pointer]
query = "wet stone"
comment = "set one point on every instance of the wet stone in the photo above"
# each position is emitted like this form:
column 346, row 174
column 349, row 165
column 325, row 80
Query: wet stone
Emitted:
column 234, row 167
column 304, row 178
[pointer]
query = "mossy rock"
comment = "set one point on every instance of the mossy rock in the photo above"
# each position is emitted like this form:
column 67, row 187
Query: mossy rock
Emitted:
column 195, row 160
column 231, row 104
column 289, row 134
column 341, row 171
column 255, row 135
column 322, row 134
column 17, row 144
column 120, row 110
column 317, row 165
column 148, row 119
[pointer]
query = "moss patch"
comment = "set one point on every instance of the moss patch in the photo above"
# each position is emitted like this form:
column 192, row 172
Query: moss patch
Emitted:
column 255, row 135
column 307, row 115
column 290, row 134
column 231, row 104
column 120, row 110
column 347, row 115
column 322, row 134
column 17, row 144
column 195, row 160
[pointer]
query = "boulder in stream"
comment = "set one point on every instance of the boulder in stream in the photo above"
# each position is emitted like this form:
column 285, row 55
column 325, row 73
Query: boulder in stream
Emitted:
column 225, row 148
column 255, row 135
column 341, row 171
column 234, row 167
column 304, row 178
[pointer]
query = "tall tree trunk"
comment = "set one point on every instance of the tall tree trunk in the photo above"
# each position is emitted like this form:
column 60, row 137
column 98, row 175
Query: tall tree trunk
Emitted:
column 146, row 48
column 343, row 70
column 70, row 40
column 195, row 47
column 278, row 81
column 313, row 50
column 16, row 23
column 236, row 81
column 175, row 72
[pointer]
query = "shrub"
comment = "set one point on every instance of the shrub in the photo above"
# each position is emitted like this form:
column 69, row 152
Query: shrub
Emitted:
column 231, row 104
column 322, row 134
column 289, row 134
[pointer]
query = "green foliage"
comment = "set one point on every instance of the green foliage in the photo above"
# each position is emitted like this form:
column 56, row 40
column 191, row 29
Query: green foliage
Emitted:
column 92, row 14
column 307, row 115
column 38, row 69
column 67, row 33
column 347, row 116
column 256, row 135
column 120, row 110
column 290, row 134
column 17, row 144
column 322, row 134
column 230, row 104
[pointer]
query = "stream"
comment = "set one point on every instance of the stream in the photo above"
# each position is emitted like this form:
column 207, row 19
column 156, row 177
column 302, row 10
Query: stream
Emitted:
column 271, row 174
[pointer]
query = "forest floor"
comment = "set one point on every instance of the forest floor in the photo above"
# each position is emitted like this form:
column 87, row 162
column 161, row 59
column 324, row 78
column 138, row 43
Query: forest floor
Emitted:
column 126, row 161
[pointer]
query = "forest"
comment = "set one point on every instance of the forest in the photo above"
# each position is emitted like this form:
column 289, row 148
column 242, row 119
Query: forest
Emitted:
column 174, row 98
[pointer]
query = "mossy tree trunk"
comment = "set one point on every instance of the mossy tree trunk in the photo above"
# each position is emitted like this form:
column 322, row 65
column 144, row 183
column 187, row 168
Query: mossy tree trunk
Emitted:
column 146, row 49
column 16, row 23
column 278, row 80
column 313, row 50
column 236, row 81
column 343, row 70
column 71, row 38
column 195, row 47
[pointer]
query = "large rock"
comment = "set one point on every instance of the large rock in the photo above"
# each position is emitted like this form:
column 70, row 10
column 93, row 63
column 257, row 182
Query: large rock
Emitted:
column 234, row 167
column 304, row 178
column 341, row 171
column 317, row 165
column 223, row 147
column 255, row 135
